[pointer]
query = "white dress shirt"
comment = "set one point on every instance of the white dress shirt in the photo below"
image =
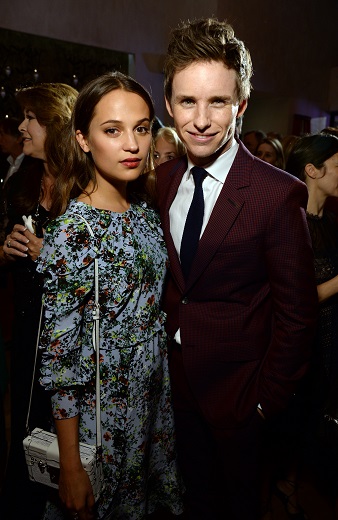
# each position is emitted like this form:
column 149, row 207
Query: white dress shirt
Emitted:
column 212, row 186
column 14, row 165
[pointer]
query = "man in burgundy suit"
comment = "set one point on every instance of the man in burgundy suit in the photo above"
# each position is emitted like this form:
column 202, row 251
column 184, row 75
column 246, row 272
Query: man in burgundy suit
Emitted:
column 241, row 303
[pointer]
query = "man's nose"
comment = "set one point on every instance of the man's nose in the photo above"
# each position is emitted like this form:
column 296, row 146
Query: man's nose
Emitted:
column 202, row 118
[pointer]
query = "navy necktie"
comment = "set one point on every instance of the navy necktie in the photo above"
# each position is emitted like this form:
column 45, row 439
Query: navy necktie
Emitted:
column 193, row 224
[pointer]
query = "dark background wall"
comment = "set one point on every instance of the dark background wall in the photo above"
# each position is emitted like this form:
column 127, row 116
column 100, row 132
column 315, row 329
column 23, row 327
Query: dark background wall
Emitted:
column 293, row 44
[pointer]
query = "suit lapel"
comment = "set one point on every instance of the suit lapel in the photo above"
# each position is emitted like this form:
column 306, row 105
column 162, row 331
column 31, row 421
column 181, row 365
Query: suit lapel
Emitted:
column 176, row 174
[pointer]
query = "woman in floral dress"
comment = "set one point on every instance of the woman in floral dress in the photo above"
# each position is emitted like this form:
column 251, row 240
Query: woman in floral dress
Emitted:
column 111, row 136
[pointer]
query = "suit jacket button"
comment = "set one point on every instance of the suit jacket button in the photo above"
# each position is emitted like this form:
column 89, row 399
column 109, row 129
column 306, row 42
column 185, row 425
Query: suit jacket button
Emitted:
column 185, row 301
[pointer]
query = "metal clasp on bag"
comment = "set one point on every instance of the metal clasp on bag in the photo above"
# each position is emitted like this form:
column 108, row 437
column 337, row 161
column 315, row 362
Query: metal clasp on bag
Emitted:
column 96, row 311
column 42, row 466
column 54, row 474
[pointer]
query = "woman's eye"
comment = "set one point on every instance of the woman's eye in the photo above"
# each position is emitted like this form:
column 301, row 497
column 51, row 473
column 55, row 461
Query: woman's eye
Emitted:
column 156, row 155
column 111, row 131
column 142, row 130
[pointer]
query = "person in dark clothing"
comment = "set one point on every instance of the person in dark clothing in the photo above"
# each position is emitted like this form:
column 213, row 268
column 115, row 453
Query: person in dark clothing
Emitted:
column 47, row 109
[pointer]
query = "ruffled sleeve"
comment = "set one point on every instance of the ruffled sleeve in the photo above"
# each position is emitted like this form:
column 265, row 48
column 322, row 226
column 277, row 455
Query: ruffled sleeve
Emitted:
column 68, row 268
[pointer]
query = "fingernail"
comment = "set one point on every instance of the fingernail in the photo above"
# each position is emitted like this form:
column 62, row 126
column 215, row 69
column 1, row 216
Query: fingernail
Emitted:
column 27, row 241
column 26, row 249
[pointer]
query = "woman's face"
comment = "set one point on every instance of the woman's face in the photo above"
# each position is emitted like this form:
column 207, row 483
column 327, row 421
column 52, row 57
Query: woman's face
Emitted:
column 267, row 153
column 33, row 135
column 164, row 151
column 119, row 136
column 327, row 178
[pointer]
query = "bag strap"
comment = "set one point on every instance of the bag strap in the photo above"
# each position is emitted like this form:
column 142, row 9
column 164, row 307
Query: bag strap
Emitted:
column 34, row 370
column 96, row 340
column 96, row 345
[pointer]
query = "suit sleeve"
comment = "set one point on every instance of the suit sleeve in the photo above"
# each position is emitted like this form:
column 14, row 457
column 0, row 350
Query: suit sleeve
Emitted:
column 290, row 264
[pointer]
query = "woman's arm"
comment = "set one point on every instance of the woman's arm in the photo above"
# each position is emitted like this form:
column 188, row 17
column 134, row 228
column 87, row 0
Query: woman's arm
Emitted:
column 75, row 489
column 66, row 289
column 327, row 289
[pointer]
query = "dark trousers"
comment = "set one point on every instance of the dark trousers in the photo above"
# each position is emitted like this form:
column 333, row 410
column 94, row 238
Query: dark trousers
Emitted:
column 221, row 468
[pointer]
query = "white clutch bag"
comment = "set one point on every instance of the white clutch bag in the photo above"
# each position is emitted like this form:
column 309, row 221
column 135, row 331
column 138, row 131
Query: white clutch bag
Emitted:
column 42, row 458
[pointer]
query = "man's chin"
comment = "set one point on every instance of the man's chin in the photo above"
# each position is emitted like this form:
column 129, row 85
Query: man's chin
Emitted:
column 202, row 157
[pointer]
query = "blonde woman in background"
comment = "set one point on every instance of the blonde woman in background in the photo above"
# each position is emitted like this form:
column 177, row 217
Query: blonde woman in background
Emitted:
column 167, row 145
column 271, row 151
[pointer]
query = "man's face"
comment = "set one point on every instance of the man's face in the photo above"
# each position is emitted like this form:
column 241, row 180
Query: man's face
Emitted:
column 204, row 106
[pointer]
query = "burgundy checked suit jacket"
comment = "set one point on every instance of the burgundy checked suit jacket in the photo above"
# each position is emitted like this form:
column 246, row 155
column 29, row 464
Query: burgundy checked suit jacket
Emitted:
column 247, row 312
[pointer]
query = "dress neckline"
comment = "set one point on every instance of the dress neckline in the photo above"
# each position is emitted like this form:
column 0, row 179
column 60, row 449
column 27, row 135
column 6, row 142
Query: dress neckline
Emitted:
column 108, row 211
column 313, row 216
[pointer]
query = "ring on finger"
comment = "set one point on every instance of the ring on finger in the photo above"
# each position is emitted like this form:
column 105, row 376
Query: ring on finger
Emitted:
column 8, row 244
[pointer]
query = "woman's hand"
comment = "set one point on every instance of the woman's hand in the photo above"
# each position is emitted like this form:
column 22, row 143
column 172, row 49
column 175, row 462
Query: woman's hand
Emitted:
column 76, row 493
column 21, row 243
column 75, row 489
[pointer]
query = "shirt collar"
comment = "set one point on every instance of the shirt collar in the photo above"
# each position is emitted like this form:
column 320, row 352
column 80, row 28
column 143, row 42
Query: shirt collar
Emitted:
column 219, row 169
column 18, row 160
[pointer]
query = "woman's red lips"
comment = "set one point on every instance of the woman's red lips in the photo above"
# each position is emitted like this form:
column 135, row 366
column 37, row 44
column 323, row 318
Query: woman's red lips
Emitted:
column 132, row 162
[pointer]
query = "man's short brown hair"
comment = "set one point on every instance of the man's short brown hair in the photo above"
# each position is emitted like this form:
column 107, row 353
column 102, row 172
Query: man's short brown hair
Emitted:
column 207, row 39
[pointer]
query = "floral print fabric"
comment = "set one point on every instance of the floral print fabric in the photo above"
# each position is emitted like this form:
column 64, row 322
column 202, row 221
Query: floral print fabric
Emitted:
column 136, row 416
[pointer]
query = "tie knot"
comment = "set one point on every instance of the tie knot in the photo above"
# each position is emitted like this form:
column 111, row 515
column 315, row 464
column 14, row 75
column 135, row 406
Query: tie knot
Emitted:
column 199, row 175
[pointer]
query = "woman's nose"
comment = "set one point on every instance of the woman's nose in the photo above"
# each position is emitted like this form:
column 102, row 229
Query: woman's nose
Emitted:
column 130, row 142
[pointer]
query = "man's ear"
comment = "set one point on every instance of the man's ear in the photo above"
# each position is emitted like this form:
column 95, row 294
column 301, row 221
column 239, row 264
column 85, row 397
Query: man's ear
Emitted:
column 311, row 171
column 82, row 141
column 242, row 107
column 167, row 104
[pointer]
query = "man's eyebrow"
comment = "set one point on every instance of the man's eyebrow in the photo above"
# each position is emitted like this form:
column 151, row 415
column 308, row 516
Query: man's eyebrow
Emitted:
column 184, row 96
column 223, row 97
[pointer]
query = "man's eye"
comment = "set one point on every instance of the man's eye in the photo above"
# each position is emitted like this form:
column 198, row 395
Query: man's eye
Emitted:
column 187, row 102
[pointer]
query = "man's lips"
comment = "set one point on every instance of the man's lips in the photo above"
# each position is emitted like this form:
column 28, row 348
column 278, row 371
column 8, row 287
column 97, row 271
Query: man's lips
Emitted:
column 201, row 137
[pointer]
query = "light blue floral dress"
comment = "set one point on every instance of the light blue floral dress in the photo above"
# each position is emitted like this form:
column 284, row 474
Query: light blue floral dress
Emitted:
column 137, row 422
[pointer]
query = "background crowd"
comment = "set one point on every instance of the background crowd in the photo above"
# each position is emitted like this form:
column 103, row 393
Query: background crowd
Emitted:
column 59, row 126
